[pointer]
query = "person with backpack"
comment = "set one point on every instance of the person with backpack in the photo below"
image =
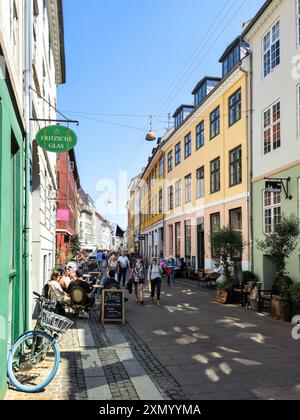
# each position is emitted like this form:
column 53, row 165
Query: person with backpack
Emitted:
column 155, row 277
column 170, row 271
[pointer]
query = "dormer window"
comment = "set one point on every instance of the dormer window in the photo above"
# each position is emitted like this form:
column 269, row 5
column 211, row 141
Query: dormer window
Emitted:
column 179, row 119
column 233, row 55
column 203, row 88
column 200, row 95
column 231, row 60
column 181, row 113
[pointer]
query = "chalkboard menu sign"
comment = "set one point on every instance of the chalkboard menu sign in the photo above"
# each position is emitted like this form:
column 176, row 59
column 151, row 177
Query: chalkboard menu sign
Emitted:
column 113, row 308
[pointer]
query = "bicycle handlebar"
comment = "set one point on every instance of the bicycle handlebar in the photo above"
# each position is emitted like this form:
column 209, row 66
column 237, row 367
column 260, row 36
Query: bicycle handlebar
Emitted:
column 37, row 295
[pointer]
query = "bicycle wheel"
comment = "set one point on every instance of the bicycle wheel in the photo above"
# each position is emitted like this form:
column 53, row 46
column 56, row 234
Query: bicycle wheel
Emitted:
column 33, row 362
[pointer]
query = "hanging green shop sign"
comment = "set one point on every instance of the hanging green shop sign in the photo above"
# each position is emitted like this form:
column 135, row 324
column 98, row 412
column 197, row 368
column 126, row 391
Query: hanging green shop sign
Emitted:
column 56, row 139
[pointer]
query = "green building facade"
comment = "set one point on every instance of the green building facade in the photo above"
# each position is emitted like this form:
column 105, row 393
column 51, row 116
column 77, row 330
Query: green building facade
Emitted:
column 13, row 290
column 263, row 210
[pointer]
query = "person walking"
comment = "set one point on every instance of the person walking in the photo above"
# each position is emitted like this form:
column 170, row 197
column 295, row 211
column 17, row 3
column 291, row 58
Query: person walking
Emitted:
column 170, row 267
column 124, row 265
column 100, row 260
column 112, row 264
column 155, row 277
column 138, row 275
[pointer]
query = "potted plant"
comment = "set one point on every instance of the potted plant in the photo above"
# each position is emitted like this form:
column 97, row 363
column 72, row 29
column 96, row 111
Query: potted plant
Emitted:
column 281, row 302
column 225, row 290
column 227, row 243
column 295, row 299
column 249, row 278
column 279, row 246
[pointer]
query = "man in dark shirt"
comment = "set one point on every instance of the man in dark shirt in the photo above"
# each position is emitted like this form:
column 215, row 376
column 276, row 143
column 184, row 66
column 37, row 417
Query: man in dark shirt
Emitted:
column 110, row 281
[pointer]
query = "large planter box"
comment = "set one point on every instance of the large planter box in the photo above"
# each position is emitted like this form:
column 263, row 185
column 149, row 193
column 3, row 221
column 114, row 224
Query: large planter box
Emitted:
column 222, row 297
column 280, row 311
column 295, row 309
column 236, row 297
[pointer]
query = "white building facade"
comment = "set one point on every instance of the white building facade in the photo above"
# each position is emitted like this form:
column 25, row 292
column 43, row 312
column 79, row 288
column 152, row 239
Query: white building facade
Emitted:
column 274, row 39
column 98, row 228
column 48, row 71
column 106, row 236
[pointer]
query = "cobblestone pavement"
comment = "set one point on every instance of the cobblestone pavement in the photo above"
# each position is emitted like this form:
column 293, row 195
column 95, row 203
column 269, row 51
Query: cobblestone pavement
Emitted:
column 118, row 379
column 167, row 385
column 190, row 348
column 218, row 352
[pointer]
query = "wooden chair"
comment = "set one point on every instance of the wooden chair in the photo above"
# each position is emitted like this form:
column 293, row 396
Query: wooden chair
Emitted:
column 212, row 280
column 265, row 297
column 202, row 278
column 78, row 300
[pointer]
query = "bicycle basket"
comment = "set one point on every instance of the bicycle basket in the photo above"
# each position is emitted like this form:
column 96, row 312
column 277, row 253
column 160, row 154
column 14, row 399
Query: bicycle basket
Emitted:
column 54, row 322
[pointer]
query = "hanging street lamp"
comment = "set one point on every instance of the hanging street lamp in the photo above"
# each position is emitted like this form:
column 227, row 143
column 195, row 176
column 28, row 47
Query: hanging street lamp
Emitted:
column 150, row 136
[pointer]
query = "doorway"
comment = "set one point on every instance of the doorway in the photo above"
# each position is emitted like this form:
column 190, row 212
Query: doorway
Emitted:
column 200, row 244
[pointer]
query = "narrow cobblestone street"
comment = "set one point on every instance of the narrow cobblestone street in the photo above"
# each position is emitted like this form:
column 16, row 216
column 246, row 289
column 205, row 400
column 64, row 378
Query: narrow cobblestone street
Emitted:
column 189, row 349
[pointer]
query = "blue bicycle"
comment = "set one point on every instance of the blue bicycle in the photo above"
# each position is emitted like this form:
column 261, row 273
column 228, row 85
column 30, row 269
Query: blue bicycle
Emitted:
column 34, row 358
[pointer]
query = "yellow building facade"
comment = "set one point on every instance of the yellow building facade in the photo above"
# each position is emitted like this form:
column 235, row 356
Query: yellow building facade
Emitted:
column 207, row 171
column 152, row 206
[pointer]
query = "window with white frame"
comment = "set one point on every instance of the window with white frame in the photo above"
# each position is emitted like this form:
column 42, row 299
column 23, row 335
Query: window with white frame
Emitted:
column 200, row 182
column 272, row 128
column 188, row 189
column 271, row 49
column 272, row 211
column 178, row 194
column 161, row 167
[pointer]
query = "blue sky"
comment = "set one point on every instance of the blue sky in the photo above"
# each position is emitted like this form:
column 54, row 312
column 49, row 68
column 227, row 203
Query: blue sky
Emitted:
column 136, row 57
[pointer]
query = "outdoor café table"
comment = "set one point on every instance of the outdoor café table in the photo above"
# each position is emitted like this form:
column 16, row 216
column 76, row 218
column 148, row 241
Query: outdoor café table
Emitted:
column 212, row 278
column 94, row 274
column 97, row 287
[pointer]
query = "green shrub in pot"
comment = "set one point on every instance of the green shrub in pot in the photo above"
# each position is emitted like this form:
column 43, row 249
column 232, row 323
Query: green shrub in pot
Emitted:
column 295, row 298
column 249, row 277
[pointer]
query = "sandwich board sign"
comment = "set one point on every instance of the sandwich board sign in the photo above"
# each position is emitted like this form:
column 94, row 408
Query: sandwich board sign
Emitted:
column 113, row 306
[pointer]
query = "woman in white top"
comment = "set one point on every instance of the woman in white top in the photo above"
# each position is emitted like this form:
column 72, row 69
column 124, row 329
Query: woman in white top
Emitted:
column 155, row 277
column 59, row 295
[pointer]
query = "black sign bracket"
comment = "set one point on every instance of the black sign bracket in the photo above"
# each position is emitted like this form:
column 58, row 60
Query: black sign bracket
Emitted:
column 284, row 183
column 55, row 121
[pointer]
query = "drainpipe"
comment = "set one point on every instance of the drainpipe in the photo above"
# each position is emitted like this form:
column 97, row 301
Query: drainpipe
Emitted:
column 27, row 115
column 249, row 159
column 251, row 162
